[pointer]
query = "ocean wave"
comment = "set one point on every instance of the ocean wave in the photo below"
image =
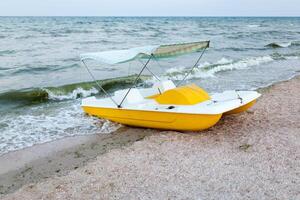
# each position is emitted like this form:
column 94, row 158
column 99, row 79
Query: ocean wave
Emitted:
column 36, row 70
column 72, row 59
column 69, row 31
column 207, row 69
column 25, row 37
column 240, row 49
column 75, row 94
column 255, row 34
column 4, row 68
column 63, row 32
column 283, row 45
column 277, row 45
column 7, row 52
column 55, row 34
column 97, row 42
column 241, row 64
column 253, row 25
column 295, row 43
column 81, row 22
column 48, row 123
column 287, row 56
column 65, row 92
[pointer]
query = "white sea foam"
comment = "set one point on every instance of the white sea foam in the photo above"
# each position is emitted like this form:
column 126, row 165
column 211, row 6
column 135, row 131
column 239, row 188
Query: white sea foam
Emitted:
column 78, row 92
column 242, row 64
column 253, row 25
column 223, row 61
column 292, row 57
column 47, row 123
column 206, row 70
column 175, row 70
column 285, row 45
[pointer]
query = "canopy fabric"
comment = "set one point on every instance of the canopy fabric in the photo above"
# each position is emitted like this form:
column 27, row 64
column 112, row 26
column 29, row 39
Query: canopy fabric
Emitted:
column 159, row 51
column 179, row 49
column 119, row 56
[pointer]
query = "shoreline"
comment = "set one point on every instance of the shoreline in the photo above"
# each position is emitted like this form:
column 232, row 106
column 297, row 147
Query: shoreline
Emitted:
column 72, row 155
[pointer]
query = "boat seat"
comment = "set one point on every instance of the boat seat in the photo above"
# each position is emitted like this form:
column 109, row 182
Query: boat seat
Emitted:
column 133, row 97
column 163, row 86
column 184, row 95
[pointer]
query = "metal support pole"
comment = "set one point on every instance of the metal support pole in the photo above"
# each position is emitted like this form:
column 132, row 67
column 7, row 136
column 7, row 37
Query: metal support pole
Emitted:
column 195, row 65
column 150, row 70
column 135, row 81
column 101, row 88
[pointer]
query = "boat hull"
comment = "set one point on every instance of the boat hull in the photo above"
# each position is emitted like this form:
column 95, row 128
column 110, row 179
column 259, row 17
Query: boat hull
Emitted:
column 241, row 108
column 155, row 119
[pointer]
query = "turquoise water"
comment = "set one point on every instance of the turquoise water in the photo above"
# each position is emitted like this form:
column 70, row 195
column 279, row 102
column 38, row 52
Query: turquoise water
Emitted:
column 42, row 80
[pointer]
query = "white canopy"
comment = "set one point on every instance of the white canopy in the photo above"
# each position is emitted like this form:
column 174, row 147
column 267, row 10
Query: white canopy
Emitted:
column 119, row 56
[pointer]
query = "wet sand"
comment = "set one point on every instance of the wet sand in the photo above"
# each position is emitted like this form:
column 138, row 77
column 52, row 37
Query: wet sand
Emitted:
column 254, row 155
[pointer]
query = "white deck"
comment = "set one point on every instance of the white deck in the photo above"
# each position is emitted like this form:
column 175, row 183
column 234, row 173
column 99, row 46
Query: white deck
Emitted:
column 220, row 102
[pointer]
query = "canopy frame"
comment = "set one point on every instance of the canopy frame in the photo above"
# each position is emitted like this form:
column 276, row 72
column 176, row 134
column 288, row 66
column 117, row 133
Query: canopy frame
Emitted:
column 135, row 81
column 153, row 74
column 192, row 69
column 145, row 66
column 99, row 86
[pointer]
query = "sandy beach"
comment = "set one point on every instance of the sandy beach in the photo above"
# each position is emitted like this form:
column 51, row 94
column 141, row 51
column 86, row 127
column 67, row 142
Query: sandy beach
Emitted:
column 254, row 155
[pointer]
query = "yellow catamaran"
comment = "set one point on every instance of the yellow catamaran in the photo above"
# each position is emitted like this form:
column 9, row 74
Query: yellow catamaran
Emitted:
column 164, row 105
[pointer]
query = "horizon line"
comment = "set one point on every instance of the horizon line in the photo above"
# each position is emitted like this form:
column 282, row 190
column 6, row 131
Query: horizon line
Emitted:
column 216, row 16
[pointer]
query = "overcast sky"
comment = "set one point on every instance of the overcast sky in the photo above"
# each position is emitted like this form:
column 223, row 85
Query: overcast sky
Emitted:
column 150, row 7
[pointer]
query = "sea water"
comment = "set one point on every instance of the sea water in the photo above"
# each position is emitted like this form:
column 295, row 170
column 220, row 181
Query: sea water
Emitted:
column 42, row 79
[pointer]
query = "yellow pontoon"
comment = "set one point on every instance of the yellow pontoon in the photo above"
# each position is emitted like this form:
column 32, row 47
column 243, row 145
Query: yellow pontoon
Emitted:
column 164, row 105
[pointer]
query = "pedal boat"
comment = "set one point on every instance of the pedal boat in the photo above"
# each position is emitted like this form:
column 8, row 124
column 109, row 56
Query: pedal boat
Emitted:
column 164, row 105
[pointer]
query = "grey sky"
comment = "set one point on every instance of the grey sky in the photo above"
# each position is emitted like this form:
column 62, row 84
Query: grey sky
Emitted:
column 150, row 7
